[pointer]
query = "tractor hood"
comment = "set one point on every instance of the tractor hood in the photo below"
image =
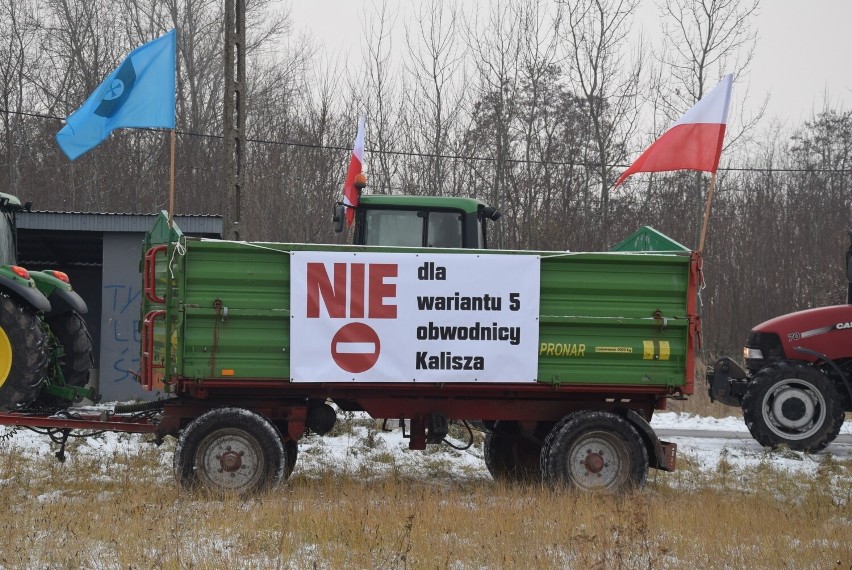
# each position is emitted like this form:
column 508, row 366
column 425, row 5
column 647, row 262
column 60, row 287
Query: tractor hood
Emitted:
column 824, row 330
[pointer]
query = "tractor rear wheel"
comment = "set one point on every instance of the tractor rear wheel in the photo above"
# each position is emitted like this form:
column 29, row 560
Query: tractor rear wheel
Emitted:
column 230, row 450
column 595, row 451
column 71, row 332
column 23, row 353
column 792, row 404
column 77, row 361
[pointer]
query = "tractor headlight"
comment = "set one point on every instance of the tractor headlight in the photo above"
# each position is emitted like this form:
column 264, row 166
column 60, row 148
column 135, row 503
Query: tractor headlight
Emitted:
column 752, row 353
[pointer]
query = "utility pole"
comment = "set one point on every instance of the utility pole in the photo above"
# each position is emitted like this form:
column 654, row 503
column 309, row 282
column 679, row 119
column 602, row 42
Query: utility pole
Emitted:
column 235, row 119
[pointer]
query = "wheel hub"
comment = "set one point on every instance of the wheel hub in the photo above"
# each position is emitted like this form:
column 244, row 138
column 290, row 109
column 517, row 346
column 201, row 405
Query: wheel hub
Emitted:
column 230, row 460
column 597, row 462
column 594, row 462
column 793, row 408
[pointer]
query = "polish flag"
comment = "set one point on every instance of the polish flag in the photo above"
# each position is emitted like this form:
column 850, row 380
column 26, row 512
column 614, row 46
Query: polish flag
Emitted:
column 350, row 192
column 694, row 142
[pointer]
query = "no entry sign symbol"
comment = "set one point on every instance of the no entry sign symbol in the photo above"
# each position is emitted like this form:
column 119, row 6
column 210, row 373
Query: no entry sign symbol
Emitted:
column 355, row 347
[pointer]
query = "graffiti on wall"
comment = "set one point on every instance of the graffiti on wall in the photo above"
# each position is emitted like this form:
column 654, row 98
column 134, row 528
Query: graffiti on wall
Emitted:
column 121, row 305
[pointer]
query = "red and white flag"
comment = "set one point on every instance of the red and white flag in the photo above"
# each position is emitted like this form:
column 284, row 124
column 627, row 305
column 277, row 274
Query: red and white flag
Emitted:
column 694, row 142
column 350, row 192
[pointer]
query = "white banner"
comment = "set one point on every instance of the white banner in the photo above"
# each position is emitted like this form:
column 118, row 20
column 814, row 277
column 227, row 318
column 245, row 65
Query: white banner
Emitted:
column 406, row 317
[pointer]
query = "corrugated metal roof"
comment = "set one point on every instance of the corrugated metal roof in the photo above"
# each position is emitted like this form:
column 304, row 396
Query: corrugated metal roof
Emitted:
column 107, row 222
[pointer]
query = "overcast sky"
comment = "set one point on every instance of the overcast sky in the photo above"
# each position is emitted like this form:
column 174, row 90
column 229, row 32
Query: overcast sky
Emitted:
column 804, row 48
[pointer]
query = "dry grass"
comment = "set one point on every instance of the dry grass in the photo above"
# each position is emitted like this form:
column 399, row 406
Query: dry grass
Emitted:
column 124, row 511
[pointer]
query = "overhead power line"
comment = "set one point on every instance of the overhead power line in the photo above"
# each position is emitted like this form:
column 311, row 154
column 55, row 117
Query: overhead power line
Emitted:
column 415, row 154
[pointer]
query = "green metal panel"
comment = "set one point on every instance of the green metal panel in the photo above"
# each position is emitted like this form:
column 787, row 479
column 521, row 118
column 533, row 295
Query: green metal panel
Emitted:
column 468, row 205
column 605, row 318
column 235, row 301
column 599, row 310
column 647, row 238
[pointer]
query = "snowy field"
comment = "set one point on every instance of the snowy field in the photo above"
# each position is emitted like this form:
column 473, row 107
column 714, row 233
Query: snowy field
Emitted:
column 361, row 447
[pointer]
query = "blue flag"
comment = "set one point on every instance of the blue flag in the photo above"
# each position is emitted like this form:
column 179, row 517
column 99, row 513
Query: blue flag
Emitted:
column 140, row 93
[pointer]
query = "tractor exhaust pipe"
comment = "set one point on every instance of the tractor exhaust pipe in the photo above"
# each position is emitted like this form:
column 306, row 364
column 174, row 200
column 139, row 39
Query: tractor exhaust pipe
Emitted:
column 849, row 270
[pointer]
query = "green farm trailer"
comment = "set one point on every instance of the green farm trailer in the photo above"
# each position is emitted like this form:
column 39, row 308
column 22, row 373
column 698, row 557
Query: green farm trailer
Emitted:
column 562, row 358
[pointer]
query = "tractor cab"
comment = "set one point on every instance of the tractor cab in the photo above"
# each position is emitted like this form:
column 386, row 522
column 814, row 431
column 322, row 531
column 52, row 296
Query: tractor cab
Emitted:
column 421, row 221
column 8, row 241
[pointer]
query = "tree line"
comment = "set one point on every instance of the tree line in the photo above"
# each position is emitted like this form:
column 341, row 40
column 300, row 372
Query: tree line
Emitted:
column 533, row 106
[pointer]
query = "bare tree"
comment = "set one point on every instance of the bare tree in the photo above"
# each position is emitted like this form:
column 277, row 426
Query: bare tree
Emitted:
column 539, row 96
column 380, row 97
column 596, row 33
column 495, row 47
column 435, row 66
column 18, row 39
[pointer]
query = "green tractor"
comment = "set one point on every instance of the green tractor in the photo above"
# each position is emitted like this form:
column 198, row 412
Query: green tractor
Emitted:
column 45, row 347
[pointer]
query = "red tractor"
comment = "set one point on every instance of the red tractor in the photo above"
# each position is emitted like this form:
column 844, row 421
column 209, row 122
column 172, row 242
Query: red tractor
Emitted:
column 798, row 382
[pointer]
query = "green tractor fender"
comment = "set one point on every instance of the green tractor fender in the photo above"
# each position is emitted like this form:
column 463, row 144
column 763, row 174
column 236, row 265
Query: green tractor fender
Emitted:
column 59, row 293
column 24, row 288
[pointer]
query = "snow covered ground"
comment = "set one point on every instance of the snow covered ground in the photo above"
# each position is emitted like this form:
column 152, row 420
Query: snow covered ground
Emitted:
column 741, row 451
column 362, row 448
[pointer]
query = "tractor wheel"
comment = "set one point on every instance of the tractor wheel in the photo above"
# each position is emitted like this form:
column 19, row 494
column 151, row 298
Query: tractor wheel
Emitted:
column 509, row 456
column 23, row 353
column 77, row 361
column 794, row 405
column 230, row 450
column 595, row 451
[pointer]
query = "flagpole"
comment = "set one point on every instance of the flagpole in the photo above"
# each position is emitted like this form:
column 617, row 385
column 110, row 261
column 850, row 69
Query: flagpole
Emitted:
column 172, row 182
column 707, row 212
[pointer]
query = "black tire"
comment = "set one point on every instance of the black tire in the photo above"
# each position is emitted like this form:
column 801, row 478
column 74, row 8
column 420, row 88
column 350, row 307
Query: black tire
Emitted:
column 23, row 353
column 230, row 450
column 509, row 456
column 594, row 451
column 71, row 332
column 793, row 404
column 77, row 360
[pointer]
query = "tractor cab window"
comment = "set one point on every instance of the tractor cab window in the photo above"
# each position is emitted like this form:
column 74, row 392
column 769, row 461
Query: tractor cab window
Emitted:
column 412, row 228
column 7, row 239
column 444, row 229
column 393, row 227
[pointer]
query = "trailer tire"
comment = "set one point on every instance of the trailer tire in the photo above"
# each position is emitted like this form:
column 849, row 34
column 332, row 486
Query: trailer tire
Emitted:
column 793, row 404
column 509, row 457
column 77, row 361
column 23, row 353
column 594, row 451
column 230, row 450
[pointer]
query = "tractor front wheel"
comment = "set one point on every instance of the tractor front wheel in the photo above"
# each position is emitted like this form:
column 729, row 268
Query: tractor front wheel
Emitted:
column 792, row 404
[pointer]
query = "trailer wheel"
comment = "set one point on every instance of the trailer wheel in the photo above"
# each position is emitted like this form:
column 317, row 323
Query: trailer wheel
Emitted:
column 594, row 451
column 508, row 456
column 23, row 353
column 230, row 450
column 794, row 405
column 77, row 361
